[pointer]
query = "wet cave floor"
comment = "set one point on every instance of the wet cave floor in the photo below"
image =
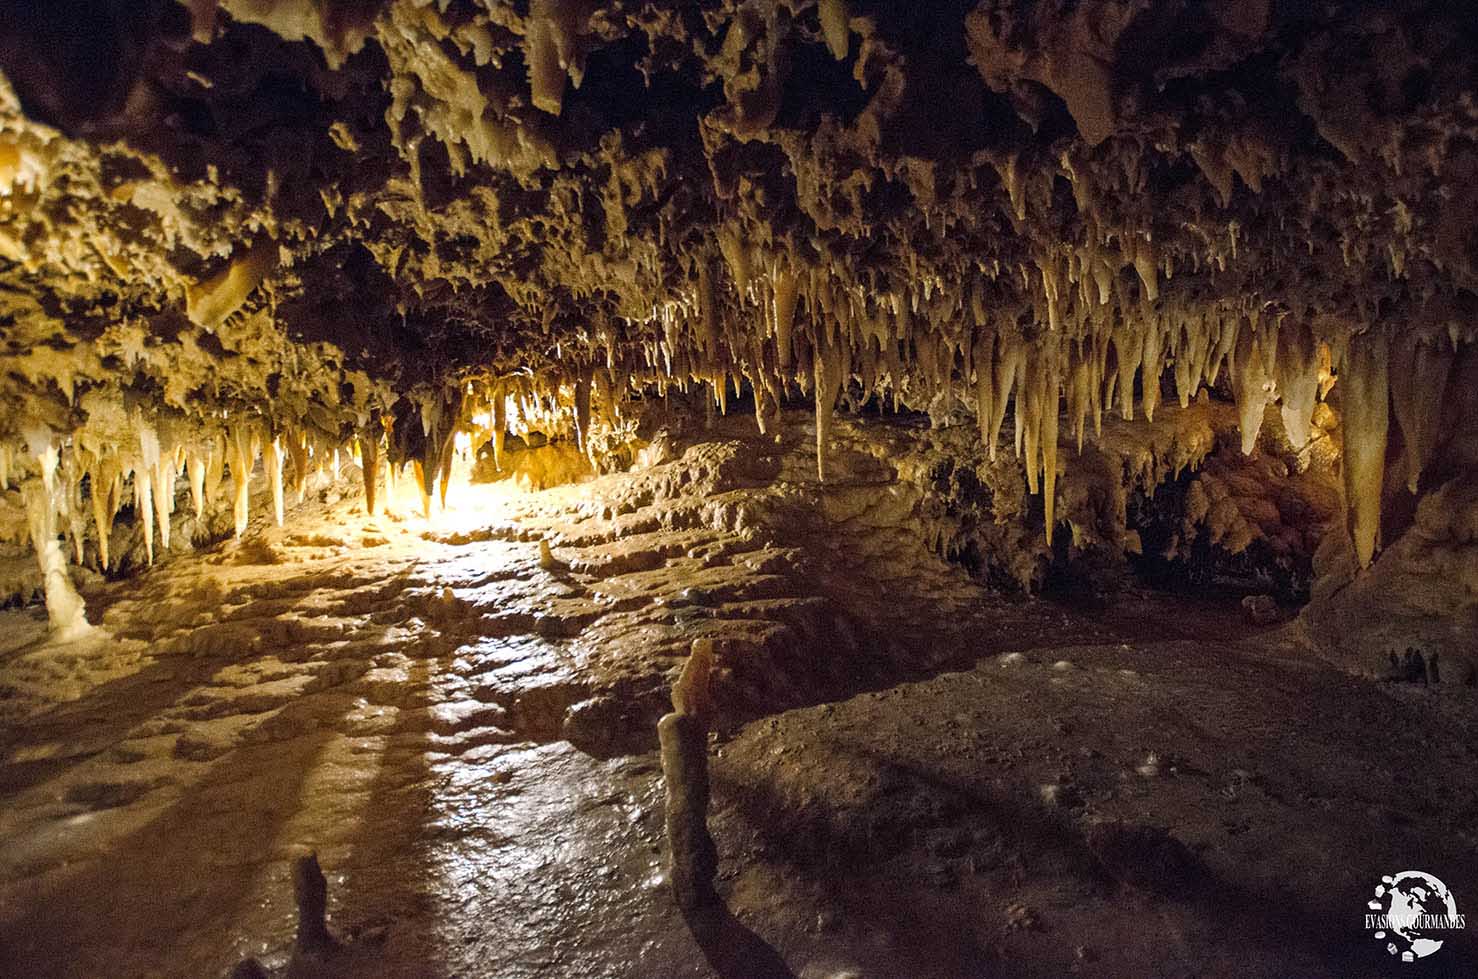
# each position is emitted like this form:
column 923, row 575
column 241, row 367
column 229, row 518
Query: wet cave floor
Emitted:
column 918, row 777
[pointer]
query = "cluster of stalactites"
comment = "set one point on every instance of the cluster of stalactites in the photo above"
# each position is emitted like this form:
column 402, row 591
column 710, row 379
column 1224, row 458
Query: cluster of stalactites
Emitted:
column 1088, row 342
column 586, row 403
column 128, row 455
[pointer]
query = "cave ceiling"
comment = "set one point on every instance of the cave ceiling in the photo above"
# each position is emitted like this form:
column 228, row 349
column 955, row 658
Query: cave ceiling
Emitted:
column 310, row 209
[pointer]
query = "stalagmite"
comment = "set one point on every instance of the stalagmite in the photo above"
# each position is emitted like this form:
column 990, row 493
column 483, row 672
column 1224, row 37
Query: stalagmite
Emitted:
column 1365, row 399
column 692, row 858
column 310, row 891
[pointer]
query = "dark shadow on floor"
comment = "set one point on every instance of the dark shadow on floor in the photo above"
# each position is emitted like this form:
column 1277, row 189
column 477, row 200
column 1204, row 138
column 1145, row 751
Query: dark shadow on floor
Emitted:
column 392, row 852
column 103, row 717
column 732, row 949
column 167, row 892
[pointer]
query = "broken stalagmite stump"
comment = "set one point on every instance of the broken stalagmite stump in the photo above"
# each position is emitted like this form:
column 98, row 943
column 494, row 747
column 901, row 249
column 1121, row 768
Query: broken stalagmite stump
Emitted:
column 692, row 860
column 313, row 942
column 310, row 890
column 692, row 694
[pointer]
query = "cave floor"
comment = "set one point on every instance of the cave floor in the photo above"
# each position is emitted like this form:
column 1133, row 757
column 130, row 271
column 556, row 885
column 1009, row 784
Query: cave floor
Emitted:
column 916, row 777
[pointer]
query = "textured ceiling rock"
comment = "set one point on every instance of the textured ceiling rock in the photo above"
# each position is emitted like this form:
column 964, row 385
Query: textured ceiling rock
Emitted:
column 318, row 214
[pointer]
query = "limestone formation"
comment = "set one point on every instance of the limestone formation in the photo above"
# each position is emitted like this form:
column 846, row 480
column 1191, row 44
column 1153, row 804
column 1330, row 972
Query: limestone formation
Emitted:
column 279, row 229
column 692, row 860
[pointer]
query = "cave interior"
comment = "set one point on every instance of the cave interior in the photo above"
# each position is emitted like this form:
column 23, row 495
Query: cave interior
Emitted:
column 739, row 488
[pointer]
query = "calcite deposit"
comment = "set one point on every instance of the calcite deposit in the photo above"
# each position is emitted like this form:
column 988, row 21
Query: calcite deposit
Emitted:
column 252, row 229
column 1004, row 298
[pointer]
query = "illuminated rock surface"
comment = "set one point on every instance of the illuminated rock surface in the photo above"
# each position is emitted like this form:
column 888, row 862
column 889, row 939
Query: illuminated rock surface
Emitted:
column 866, row 339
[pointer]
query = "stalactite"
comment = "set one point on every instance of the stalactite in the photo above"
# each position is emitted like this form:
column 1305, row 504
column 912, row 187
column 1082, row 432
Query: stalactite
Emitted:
column 985, row 388
column 707, row 310
column 582, row 412
column 1365, row 399
column 1419, row 377
column 1251, row 385
column 1009, row 356
column 736, row 254
column 241, row 449
column 296, row 442
column 551, row 50
column 785, row 296
column 1129, row 346
column 72, row 475
column 1030, row 406
column 1154, row 367
column 163, row 473
column 425, row 477
column 448, row 456
column 65, row 609
column 829, row 372
column 834, row 26
column 210, row 302
column 272, row 460
column 215, row 465
column 1298, row 381
column 369, row 453
column 1051, row 383
column 105, row 478
column 143, row 480
column 195, row 465
column 500, row 426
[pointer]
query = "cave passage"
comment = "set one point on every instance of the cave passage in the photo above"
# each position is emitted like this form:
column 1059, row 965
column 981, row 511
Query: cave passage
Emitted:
column 744, row 488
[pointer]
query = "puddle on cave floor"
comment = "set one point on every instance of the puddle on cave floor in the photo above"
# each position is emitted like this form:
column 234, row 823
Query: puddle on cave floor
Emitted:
column 397, row 696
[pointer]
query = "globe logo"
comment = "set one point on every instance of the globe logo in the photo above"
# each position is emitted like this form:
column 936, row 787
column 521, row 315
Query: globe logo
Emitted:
column 1410, row 912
